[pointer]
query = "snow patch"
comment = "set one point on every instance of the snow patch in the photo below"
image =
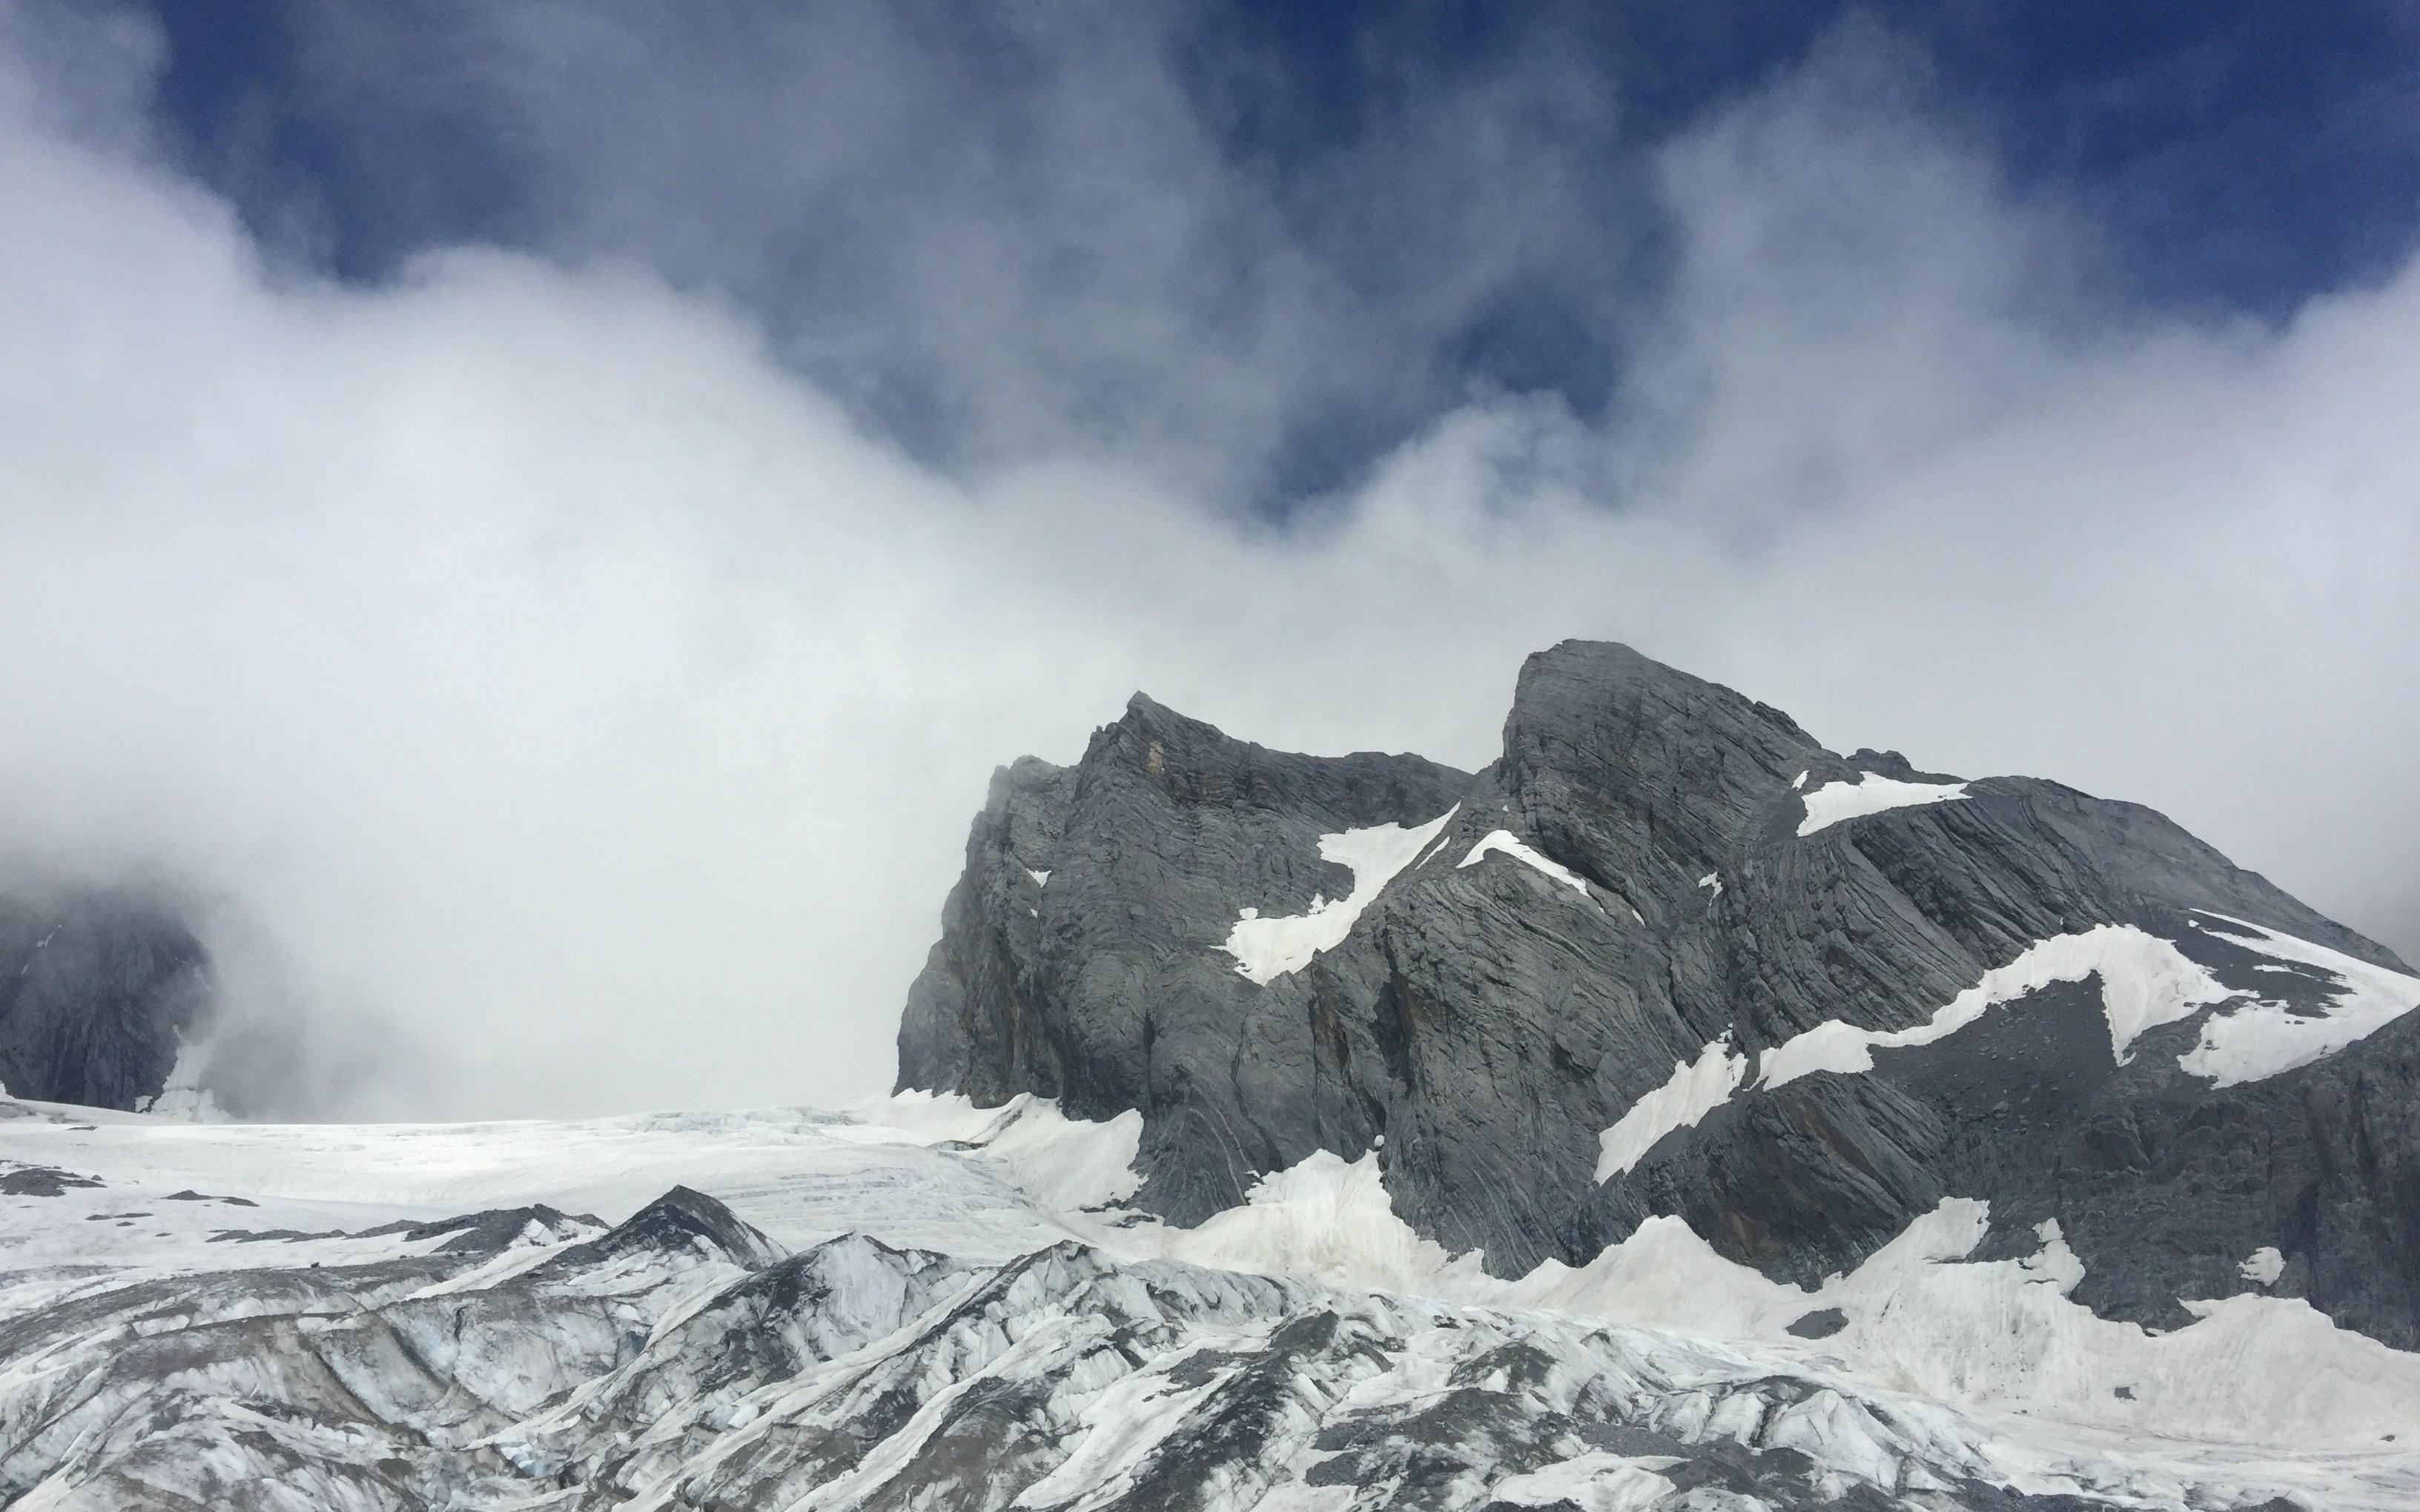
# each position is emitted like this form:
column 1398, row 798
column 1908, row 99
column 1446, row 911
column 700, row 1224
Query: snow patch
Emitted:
column 2145, row 982
column 2264, row 1265
column 1693, row 1091
column 1870, row 794
column 1040, row 879
column 1064, row 1164
column 1503, row 840
column 2262, row 1038
column 1320, row 1219
column 1924, row 1319
column 1267, row 949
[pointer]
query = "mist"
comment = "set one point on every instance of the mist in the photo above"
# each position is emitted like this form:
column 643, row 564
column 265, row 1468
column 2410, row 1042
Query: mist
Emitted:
column 570, row 693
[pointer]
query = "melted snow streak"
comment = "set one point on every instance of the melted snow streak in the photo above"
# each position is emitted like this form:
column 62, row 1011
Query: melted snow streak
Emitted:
column 1503, row 841
column 1870, row 794
column 2145, row 982
column 2262, row 1038
column 1267, row 949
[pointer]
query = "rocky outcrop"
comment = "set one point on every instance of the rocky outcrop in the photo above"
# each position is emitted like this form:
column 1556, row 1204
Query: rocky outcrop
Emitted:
column 1080, row 955
column 97, row 987
column 1659, row 873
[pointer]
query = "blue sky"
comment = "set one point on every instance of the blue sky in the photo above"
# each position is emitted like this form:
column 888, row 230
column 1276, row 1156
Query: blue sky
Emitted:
column 542, row 517
column 1461, row 183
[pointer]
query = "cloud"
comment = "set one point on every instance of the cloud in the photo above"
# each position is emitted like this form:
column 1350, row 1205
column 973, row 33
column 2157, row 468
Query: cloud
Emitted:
column 553, row 679
column 998, row 233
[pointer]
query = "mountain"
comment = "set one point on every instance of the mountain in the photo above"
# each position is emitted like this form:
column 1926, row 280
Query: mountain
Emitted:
column 98, row 986
column 1669, row 955
column 1676, row 1117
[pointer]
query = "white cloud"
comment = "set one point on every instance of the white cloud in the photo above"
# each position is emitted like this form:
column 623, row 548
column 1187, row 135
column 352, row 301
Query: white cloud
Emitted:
column 535, row 664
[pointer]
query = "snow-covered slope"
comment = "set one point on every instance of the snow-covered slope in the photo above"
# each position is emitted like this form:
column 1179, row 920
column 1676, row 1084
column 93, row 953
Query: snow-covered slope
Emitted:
column 924, row 1303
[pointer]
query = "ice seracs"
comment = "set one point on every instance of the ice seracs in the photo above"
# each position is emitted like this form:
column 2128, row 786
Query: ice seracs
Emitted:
column 1593, row 1482
column 1870, row 794
column 182, row 1096
column 685, row 1358
column 1267, row 949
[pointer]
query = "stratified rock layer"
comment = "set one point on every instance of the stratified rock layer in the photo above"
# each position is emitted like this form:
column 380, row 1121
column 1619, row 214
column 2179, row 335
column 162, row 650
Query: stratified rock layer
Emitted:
column 1488, row 1018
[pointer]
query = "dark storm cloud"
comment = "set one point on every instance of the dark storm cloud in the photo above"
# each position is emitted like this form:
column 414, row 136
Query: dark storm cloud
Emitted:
column 553, row 513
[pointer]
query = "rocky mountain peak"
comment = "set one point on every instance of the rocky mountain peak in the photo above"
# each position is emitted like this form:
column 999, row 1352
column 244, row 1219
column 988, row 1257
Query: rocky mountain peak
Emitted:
column 1671, row 956
column 1638, row 774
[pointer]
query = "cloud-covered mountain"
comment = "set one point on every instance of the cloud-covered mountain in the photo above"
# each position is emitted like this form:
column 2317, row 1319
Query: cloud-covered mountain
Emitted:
column 99, row 990
column 509, row 629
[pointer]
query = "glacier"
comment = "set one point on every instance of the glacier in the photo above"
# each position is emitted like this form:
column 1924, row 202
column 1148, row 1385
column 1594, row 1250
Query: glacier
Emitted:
column 921, row 1303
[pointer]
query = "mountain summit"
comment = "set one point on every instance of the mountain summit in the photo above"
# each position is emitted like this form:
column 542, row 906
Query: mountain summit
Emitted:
column 1669, row 955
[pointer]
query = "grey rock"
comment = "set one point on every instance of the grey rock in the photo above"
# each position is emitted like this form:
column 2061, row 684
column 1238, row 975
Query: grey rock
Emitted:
column 96, row 987
column 39, row 1182
column 1106, row 987
column 1819, row 1325
column 1486, row 1021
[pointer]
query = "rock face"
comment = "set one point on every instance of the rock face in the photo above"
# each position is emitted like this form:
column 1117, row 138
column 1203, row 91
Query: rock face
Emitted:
column 1669, row 955
column 1080, row 961
column 96, row 986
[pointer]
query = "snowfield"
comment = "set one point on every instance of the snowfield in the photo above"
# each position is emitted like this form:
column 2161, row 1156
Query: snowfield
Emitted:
column 1504, row 842
column 921, row 1303
column 1267, row 949
column 2262, row 1038
column 1872, row 793
column 1694, row 1091
column 2145, row 982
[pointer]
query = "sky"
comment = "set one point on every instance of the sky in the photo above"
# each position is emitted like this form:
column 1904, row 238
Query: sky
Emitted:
column 538, row 521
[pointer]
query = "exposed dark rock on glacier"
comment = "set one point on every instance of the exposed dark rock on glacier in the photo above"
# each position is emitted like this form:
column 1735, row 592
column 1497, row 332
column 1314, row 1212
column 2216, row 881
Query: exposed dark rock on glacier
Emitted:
column 1659, row 872
column 471, row 1233
column 39, row 1182
column 96, row 987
